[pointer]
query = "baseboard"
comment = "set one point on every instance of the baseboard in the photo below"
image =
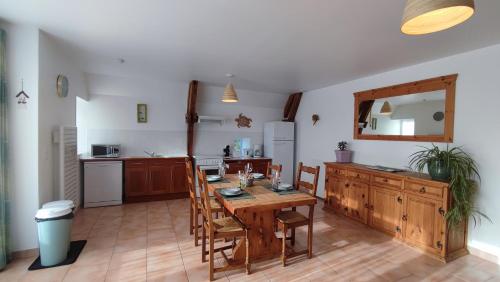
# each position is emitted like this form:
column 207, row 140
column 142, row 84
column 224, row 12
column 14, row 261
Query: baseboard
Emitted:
column 484, row 251
column 25, row 254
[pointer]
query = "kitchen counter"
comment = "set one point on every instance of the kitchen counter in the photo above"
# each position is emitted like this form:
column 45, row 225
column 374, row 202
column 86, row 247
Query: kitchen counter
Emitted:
column 125, row 158
column 245, row 158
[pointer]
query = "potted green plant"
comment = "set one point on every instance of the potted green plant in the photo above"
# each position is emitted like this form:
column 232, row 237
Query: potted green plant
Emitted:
column 343, row 154
column 458, row 168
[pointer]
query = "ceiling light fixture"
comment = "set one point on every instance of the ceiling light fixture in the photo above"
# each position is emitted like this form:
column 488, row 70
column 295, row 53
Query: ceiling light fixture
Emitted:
column 428, row 16
column 386, row 108
column 230, row 95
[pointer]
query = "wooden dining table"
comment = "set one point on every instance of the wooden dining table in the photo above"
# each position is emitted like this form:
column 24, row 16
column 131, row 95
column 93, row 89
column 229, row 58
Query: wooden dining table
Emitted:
column 258, row 214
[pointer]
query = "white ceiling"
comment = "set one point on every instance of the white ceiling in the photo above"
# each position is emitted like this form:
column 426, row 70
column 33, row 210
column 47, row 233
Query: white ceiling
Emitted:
column 278, row 45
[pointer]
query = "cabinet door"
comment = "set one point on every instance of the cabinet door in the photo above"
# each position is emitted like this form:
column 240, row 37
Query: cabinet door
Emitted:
column 234, row 167
column 179, row 178
column 358, row 201
column 136, row 180
column 423, row 223
column 259, row 166
column 334, row 191
column 160, row 173
column 385, row 210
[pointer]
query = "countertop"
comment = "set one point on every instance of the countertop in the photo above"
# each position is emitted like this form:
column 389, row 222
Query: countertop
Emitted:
column 245, row 158
column 125, row 158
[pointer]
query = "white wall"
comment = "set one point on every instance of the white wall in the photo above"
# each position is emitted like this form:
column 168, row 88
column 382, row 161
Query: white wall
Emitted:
column 54, row 111
column 22, row 63
column 261, row 107
column 476, row 127
column 109, row 116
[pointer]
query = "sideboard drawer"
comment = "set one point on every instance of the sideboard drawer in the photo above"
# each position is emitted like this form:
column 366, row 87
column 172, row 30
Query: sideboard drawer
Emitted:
column 336, row 171
column 424, row 190
column 387, row 181
column 359, row 175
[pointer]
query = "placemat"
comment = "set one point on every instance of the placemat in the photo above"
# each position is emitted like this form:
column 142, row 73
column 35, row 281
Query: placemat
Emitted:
column 223, row 180
column 244, row 196
column 269, row 186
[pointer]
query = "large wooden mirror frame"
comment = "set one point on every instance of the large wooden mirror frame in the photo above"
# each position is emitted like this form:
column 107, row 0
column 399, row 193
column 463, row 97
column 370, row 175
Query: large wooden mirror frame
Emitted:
column 446, row 83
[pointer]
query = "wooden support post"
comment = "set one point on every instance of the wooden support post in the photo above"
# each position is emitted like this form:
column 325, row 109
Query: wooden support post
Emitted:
column 191, row 116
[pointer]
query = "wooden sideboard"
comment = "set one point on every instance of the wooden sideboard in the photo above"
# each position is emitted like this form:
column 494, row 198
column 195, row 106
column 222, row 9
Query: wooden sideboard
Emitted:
column 408, row 206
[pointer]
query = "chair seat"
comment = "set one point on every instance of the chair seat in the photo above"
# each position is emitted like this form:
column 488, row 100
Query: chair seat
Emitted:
column 227, row 224
column 291, row 217
column 214, row 204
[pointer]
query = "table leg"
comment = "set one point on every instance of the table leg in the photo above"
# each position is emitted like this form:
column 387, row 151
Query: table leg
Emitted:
column 263, row 241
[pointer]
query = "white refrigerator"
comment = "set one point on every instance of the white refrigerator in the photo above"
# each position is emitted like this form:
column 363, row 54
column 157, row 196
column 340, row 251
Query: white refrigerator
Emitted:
column 279, row 144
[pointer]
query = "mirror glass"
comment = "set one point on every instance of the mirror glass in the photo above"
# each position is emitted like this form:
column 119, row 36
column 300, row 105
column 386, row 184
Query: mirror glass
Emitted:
column 408, row 115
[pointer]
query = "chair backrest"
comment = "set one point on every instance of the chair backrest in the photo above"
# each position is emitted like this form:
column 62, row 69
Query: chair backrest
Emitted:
column 190, row 181
column 271, row 168
column 205, row 199
column 311, row 187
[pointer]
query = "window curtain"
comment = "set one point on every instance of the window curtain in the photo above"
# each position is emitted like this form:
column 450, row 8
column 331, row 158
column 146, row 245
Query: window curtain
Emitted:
column 4, row 240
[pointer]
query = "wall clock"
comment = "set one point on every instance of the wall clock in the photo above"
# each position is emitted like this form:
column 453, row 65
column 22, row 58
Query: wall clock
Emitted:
column 62, row 86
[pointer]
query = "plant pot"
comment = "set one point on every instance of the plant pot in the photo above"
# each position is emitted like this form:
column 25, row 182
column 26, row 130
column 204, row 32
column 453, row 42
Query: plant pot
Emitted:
column 438, row 170
column 343, row 156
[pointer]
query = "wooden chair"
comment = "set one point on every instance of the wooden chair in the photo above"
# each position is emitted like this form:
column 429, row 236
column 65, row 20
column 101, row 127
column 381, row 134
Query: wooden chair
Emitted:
column 222, row 228
column 291, row 219
column 271, row 168
column 195, row 204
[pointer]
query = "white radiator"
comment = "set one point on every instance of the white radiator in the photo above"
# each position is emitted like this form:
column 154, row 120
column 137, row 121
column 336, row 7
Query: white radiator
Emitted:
column 68, row 169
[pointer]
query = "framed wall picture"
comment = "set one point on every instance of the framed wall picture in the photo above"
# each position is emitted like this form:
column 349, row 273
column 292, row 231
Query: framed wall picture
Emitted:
column 142, row 113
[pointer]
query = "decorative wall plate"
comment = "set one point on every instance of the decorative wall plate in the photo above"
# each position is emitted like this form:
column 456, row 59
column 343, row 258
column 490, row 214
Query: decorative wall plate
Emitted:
column 62, row 86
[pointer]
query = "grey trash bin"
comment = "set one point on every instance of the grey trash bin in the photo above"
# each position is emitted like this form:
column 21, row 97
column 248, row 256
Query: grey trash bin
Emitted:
column 54, row 234
column 62, row 203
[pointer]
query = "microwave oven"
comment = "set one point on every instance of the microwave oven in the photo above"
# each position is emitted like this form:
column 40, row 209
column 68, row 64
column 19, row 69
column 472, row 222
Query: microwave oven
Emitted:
column 105, row 151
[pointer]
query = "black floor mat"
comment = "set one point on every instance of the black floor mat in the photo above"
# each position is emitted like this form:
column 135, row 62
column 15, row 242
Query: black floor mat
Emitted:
column 76, row 248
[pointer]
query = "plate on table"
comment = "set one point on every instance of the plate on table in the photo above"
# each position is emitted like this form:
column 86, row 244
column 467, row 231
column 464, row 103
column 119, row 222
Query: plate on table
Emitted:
column 285, row 187
column 212, row 178
column 231, row 192
column 258, row 175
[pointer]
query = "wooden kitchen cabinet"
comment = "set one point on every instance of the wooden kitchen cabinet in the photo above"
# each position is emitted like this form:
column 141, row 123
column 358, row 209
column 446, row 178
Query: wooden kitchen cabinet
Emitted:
column 259, row 165
column 406, row 205
column 155, row 179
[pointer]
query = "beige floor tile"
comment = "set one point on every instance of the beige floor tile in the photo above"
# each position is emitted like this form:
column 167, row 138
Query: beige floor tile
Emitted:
column 52, row 274
column 150, row 241
column 131, row 244
column 94, row 256
column 129, row 273
column 172, row 274
column 130, row 259
column 93, row 273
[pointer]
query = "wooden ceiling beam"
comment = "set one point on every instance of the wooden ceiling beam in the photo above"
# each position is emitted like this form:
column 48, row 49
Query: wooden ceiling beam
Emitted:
column 291, row 107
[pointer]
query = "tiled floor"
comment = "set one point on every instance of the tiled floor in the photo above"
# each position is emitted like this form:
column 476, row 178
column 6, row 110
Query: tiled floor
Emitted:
column 151, row 242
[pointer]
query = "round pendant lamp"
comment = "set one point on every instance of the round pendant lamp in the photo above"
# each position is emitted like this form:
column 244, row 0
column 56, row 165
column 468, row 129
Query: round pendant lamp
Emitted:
column 230, row 95
column 386, row 108
column 427, row 16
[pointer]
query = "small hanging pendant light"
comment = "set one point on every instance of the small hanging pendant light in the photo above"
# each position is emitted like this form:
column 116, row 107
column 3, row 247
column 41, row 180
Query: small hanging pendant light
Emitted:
column 230, row 95
column 386, row 108
column 427, row 16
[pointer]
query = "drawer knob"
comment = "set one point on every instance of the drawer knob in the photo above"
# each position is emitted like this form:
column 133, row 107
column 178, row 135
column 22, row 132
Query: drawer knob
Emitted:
column 347, row 185
column 404, row 218
column 400, row 200
column 386, row 180
column 357, row 175
column 422, row 190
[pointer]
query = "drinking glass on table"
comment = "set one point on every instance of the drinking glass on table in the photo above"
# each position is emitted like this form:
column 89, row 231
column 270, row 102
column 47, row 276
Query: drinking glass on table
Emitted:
column 243, row 179
column 275, row 179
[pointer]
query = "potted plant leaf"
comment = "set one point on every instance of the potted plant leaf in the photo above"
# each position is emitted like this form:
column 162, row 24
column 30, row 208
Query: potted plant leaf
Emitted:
column 455, row 166
column 343, row 154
